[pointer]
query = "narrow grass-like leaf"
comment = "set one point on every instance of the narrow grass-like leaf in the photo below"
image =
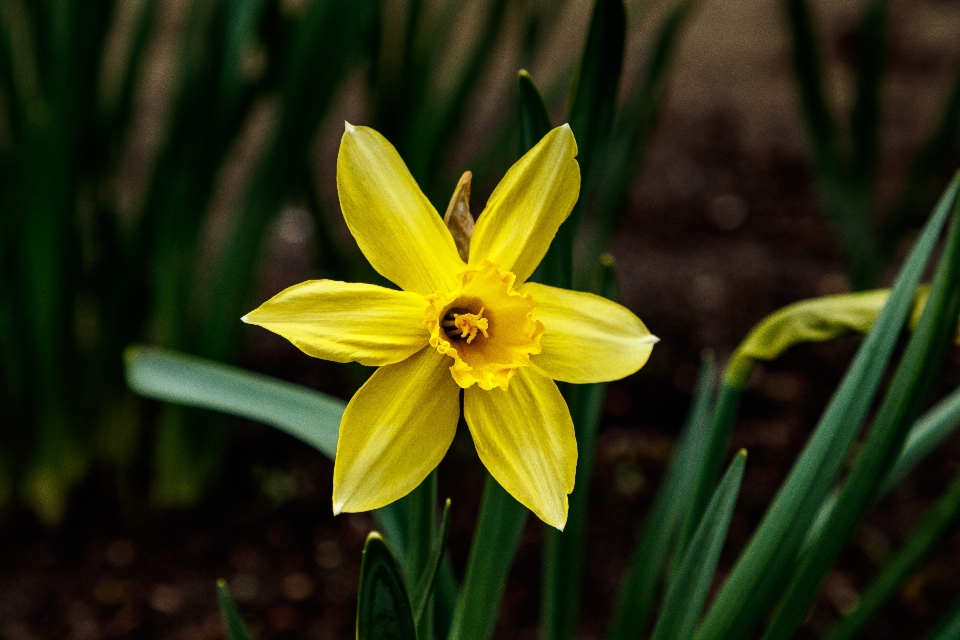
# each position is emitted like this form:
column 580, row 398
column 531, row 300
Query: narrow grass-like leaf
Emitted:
column 594, row 91
column 383, row 608
column 908, row 390
column 424, row 587
column 631, row 134
column 534, row 119
column 556, row 268
column 563, row 551
column 949, row 627
column 421, row 522
column 495, row 541
column 166, row 375
column 927, row 433
column 938, row 521
column 689, row 586
column 232, row 622
column 870, row 63
column 758, row 573
column 309, row 416
column 649, row 561
column 930, row 167
column 705, row 470
column 807, row 68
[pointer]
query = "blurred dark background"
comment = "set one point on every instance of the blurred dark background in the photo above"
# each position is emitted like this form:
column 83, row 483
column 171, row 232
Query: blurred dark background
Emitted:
column 165, row 165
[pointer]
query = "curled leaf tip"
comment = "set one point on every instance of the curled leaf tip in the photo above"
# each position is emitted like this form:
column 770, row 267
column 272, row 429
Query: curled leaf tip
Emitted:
column 742, row 453
column 607, row 260
column 523, row 73
column 221, row 583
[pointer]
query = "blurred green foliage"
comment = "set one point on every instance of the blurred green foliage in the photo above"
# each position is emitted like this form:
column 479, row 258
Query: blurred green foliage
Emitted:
column 147, row 148
column 845, row 149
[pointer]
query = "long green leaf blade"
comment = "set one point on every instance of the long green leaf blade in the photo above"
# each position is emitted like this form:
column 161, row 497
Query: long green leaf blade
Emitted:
column 938, row 521
column 424, row 588
column 166, row 375
column 645, row 574
column 309, row 416
column 758, row 572
column 949, row 627
column 383, row 608
column 495, row 541
column 688, row 588
column 594, row 93
column 232, row 621
column 903, row 401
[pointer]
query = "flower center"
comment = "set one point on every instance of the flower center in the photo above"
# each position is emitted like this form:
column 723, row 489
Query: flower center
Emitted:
column 485, row 326
column 465, row 324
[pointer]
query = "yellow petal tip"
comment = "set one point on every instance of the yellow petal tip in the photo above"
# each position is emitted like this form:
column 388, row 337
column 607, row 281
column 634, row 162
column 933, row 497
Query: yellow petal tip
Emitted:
column 337, row 508
column 245, row 318
column 348, row 128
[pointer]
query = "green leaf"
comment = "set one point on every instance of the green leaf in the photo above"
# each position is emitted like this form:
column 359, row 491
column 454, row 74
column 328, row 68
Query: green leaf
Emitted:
column 688, row 588
column 949, row 627
column 309, row 416
column 650, row 557
column 807, row 68
column 936, row 524
column 759, row 572
column 627, row 145
column 908, row 390
column 594, row 91
column 534, row 119
column 556, row 268
column 495, row 541
column 424, row 588
column 705, row 469
column 563, row 550
column 870, row 61
column 927, row 433
column 814, row 320
column 383, row 609
column 930, row 167
column 163, row 374
column 232, row 621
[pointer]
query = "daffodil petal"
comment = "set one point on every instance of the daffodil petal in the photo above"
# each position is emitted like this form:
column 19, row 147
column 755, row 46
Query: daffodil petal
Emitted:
column 346, row 322
column 587, row 338
column 397, row 228
column 525, row 438
column 527, row 207
column 394, row 432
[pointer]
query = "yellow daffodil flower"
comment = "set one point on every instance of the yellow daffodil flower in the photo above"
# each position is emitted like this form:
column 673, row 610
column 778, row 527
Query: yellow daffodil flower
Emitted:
column 470, row 323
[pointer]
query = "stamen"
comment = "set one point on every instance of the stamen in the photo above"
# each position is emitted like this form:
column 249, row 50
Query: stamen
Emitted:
column 465, row 325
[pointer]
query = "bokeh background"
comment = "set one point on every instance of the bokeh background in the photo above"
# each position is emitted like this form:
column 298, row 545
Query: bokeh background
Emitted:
column 167, row 164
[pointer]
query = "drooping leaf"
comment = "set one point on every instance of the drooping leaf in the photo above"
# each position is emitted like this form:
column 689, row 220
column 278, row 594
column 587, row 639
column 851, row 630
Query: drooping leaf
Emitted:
column 758, row 575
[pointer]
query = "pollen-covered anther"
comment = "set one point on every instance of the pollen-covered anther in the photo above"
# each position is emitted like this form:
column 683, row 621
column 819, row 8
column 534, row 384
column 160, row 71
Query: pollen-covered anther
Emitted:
column 470, row 323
